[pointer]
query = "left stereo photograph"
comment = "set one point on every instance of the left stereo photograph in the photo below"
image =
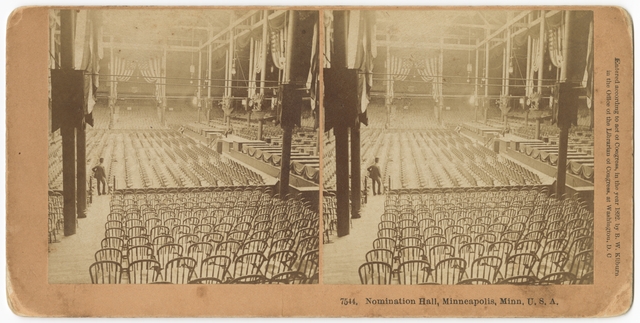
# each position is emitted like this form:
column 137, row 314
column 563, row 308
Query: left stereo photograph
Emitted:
column 183, row 146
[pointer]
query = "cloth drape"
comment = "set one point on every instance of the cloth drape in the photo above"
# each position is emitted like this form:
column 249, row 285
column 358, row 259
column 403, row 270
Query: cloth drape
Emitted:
column 278, row 46
column 587, row 80
column 88, row 51
column 555, row 36
column 312, row 78
column 328, row 37
column 361, row 51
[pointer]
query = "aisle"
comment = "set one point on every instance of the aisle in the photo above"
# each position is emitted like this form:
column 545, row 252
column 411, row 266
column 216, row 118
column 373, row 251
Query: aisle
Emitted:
column 343, row 256
column 70, row 258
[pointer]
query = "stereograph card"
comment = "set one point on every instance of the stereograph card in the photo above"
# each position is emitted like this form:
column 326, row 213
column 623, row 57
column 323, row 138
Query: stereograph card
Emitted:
column 388, row 161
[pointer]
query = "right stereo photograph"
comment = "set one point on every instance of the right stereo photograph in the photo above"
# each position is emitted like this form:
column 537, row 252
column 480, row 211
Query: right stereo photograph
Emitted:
column 458, row 147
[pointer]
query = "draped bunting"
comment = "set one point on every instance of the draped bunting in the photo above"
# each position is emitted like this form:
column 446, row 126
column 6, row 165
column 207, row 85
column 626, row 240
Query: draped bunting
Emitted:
column 431, row 73
column 587, row 80
column 123, row 69
column 312, row 78
column 555, row 37
column 258, row 60
column 88, row 52
column 429, row 70
column 531, row 60
column 278, row 47
column 152, row 72
column 397, row 70
column 361, row 51
column 328, row 37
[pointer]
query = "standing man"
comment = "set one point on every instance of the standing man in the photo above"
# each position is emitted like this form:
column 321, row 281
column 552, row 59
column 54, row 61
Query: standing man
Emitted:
column 374, row 173
column 101, row 176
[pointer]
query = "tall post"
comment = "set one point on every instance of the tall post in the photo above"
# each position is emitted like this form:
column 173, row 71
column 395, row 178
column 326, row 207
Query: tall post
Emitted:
column 67, row 27
column 564, row 125
column 292, row 60
column 199, row 80
column 355, row 170
column 509, row 65
column 486, row 78
column 112, row 85
column 528, row 80
column 389, row 84
column 441, row 78
column 563, row 143
column 265, row 40
column 81, row 151
column 231, row 57
column 475, row 91
column 209, row 69
column 252, row 84
column 543, row 16
column 227, row 71
column 260, row 128
column 341, row 130
column 164, row 87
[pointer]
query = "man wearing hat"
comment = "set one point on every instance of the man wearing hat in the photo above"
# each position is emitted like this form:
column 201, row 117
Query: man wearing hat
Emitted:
column 101, row 176
column 374, row 173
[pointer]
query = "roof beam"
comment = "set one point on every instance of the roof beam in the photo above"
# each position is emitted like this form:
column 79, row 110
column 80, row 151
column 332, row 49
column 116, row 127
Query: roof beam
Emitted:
column 417, row 45
column 229, row 28
column 151, row 47
column 503, row 28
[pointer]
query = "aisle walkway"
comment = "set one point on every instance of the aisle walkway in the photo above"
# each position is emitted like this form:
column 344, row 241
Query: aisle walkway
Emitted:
column 70, row 258
column 344, row 255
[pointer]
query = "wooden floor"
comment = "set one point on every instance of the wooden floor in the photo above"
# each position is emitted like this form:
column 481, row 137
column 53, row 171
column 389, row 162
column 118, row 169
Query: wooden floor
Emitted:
column 344, row 255
column 70, row 258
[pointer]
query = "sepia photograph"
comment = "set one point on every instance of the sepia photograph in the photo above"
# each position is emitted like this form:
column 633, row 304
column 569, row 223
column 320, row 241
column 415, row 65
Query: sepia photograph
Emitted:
column 460, row 150
column 197, row 161
column 183, row 146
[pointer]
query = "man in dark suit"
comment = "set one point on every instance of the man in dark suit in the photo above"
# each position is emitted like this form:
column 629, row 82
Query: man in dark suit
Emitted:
column 374, row 173
column 101, row 177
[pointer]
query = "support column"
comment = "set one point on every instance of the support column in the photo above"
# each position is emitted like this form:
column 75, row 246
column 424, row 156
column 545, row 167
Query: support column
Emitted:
column 163, row 108
column 475, row 92
column 112, row 85
column 290, row 97
column 67, row 131
column 355, row 170
column 563, row 144
column 441, row 78
column 537, row 129
column 199, row 81
column 260, row 128
column 252, row 84
column 341, row 130
column 543, row 16
column 285, row 163
column 231, row 57
column 485, row 103
column 570, row 97
column 342, row 179
column 265, row 40
column 81, row 146
column 509, row 65
column 69, row 178
column 529, row 80
column 209, row 72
